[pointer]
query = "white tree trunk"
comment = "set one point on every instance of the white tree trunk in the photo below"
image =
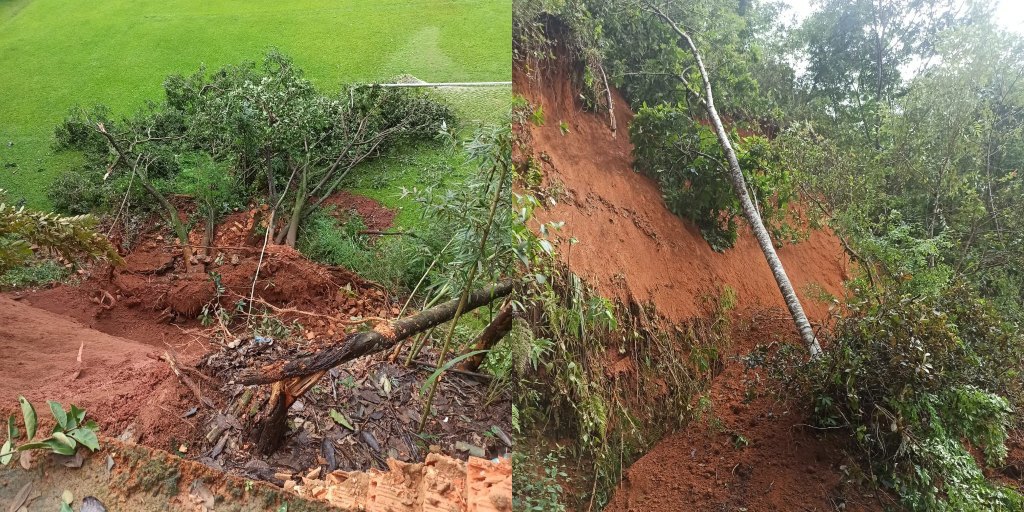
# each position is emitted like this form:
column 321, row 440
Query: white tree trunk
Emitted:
column 739, row 186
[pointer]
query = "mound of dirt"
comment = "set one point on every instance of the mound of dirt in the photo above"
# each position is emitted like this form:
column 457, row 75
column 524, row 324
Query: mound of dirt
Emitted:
column 115, row 382
column 630, row 246
column 153, row 279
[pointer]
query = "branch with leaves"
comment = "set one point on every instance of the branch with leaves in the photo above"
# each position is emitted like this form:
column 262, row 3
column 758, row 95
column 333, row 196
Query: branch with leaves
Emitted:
column 70, row 430
column 71, row 237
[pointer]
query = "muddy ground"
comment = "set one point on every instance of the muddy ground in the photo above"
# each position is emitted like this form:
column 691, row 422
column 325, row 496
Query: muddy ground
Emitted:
column 103, row 341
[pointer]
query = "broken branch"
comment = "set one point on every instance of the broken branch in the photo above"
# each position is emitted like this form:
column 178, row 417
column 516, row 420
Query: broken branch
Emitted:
column 360, row 344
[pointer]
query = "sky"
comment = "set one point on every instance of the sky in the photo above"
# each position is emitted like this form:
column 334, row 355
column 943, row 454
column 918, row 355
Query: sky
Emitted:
column 1009, row 13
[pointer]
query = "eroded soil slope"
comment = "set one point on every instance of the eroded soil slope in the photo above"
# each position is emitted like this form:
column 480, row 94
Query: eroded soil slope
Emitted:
column 630, row 245
column 747, row 451
column 104, row 342
column 116, row 382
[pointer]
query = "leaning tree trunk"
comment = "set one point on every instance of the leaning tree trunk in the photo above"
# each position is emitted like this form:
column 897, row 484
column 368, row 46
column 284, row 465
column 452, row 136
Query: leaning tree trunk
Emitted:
column 739, row 186
column 292, row 379
column 500, row 326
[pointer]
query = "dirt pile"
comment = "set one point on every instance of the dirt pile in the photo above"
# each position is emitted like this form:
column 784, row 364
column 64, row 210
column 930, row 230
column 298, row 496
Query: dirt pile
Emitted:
column 153, row 279
column 629, row 244
column 119, row 386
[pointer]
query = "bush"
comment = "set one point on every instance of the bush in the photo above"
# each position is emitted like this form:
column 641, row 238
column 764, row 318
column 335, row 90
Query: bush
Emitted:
column 391, row 261
column 536, row 483
column 75, row 193
column 914, row 380
column 686, row 160
column 39, row 274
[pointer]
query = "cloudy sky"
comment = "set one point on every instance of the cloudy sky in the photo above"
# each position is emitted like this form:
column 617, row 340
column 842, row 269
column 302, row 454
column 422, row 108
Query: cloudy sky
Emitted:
column 1009, row 13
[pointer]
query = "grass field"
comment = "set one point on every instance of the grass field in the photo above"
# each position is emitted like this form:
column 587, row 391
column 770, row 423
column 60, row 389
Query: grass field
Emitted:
column 55, row 54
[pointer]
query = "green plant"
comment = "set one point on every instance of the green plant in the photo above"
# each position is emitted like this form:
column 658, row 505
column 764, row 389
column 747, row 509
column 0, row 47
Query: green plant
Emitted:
column 538, row 483
column 71, row 237
column 40, row 273
column 684, row 156
column 76, row 192
column 393, row 261
column 911, row 377
column 69, row 431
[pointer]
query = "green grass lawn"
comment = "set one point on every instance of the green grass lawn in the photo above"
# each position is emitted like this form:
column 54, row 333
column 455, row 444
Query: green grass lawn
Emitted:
column 55, row 54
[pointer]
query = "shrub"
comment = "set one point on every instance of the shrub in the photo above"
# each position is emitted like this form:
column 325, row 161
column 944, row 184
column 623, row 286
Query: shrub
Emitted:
column 684, row 157
column 914, row 380
column 536, row 483
column 42, row 273
column 76, row 193
column 71, row 237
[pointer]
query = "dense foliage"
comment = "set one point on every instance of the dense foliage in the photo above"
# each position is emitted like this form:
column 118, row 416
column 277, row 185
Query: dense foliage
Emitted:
column 248, row 132
column 911, row 378
column 685, row 158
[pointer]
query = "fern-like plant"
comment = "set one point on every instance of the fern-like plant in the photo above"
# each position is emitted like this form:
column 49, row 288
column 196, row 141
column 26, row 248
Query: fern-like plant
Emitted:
column 72, row 237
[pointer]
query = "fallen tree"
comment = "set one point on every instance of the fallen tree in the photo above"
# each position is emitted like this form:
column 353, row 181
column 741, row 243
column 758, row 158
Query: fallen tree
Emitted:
column 290, row 380
column 739, row 186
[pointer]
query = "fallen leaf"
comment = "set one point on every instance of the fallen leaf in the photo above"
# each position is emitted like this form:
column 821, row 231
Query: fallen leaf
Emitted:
column 21, row 497
column 72, row 461
column 341, row 419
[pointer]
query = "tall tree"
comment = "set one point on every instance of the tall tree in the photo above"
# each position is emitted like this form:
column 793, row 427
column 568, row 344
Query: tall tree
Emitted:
column 860, row 53
column 740, row 188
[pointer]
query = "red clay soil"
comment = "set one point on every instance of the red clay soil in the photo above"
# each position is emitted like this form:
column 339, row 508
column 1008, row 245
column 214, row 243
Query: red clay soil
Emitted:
column 748, row 452
column 116, row 383
column 631, row 247
column 125, row 313
column 376, row 217
column 630, row 244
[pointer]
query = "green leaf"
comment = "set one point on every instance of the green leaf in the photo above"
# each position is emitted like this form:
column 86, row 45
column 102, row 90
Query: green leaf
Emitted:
column 64, row 507
column 447, row 366
column 75, row 417
column 6, row 453
column 86, row 437
column 34, row 446
column 58, row 413
column 63, row 438
column 59, row 446
column 12, row 428
column 29, row 414
column 340, row 419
